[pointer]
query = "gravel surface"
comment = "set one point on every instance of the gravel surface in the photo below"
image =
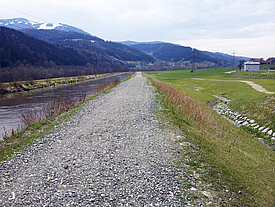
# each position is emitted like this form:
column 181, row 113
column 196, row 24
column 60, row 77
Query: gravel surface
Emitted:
column 112, row 153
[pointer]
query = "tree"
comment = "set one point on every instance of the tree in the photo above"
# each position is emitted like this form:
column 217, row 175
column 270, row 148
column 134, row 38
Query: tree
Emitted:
column 241, row 64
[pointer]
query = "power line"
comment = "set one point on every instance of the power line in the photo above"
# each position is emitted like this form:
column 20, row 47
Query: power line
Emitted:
column 233, row 59
column 88, row 22
column 193, row 60
column 22, row 12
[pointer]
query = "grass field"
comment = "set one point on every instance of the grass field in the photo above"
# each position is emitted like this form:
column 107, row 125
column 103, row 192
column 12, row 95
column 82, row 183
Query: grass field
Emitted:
column 245, row 99
column 235, row 157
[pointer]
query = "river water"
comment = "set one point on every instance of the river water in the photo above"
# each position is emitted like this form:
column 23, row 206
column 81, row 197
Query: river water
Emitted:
column 11, row 105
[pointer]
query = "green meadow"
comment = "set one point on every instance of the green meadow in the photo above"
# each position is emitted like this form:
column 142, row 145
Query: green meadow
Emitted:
column 245, row 99
column 237, row 159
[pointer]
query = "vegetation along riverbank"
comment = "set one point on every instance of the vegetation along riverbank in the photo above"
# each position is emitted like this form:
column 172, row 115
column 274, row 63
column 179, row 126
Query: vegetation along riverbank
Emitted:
column 19, row 86
column 237, row 159
column 41, row 121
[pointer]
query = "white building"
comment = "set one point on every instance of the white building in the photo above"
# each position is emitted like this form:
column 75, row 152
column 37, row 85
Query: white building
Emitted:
column 251, row 66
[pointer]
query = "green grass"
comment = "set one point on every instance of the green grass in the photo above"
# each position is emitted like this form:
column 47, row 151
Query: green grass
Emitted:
column 246, row 100
column 237, row 160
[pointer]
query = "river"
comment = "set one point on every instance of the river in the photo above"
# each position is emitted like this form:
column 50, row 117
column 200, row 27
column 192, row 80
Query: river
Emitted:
column 12, row 104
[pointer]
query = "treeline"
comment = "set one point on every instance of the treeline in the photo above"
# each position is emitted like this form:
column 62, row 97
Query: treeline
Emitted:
column 36, row 73
column 17, row 48
column 91, row 44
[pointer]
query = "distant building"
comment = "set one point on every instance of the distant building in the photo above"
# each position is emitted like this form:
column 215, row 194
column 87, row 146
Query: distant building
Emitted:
column 251, row 66
column 272, row 60
column 261, row 61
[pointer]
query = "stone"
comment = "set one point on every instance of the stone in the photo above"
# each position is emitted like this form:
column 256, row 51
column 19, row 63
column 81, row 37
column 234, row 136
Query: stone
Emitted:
column 256, row 127
column 265, row 130
column 270, row 132
column 261, row 128
column 207, row 194
column 252, row 121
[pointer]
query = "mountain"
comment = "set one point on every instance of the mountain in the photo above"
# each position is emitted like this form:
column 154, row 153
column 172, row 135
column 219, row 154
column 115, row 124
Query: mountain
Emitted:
column 23, row 57
column 19, row 48
column 68, row 36
column 179, row 54
column 87, row 44
column 129, row 42
column 22, row 23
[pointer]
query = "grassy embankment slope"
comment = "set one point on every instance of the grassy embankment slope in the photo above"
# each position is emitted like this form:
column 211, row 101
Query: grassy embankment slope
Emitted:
column 34, row 84
column 241, row 161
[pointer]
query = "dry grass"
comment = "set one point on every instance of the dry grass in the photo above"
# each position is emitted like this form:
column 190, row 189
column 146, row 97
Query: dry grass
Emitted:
column 55, row 106
column 242, row 162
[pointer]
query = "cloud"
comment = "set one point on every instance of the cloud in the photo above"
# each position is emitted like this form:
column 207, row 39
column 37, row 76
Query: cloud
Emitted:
column 145, row 20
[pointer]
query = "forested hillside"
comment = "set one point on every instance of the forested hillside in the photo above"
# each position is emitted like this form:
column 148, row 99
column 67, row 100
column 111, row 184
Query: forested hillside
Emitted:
column 17, row 48
column 90, row 44
column 176, row 53
column 24, row 57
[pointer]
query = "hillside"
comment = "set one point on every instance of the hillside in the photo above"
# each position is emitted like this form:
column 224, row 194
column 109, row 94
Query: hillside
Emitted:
column 89, row 43
column 17, row 48
column 72, row 37
column 176, row 53
column 22, row 23
column 23, row 57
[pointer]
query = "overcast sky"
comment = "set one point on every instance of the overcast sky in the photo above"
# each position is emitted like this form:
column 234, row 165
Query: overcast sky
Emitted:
column 244, row 26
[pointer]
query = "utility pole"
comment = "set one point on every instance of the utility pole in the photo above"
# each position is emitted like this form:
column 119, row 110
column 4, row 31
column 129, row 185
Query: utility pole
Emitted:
column 233, row 60
column 193, row 61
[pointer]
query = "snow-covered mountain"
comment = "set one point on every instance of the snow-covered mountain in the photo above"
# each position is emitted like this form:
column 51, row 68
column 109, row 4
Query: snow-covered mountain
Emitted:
column 22, row 23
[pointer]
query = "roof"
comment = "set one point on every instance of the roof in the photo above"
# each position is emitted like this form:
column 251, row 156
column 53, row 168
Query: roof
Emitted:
column 252, row 63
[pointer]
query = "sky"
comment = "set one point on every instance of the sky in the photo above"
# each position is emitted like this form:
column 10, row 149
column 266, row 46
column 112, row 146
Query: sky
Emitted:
column 240, row 27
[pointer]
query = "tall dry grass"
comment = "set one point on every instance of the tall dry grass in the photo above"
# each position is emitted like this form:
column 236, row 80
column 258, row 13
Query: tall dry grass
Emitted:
column 186, row 107
column 58, row 105
column 55, row 106
column 245, row 164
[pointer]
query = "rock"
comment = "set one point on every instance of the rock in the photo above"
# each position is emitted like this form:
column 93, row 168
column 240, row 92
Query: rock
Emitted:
column 261, row 128
column 252, row 121
column 265, row 130
column 256, row 127
column 240, row 122
column 270, row 132
column 207, row 194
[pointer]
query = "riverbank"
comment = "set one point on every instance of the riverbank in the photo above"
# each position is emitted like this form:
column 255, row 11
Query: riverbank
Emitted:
column 237, row 160
column 20, row 86
column 112, row 152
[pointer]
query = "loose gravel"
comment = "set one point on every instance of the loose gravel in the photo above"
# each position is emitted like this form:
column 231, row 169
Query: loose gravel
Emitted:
column 112, row 153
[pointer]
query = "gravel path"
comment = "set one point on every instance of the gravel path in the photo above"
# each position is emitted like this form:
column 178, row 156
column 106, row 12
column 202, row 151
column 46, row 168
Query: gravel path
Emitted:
column 112, row 153
column 251, row 83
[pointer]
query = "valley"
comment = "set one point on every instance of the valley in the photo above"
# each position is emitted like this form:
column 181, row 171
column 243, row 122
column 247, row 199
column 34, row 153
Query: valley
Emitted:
column 90, row 138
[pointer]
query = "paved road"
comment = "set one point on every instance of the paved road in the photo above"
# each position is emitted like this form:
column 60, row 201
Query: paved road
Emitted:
column 112, row 153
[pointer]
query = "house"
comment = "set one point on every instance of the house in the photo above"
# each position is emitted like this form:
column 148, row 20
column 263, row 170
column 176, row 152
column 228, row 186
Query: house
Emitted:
column 272, row 60
column 251, row 66
column 258, row 60
column 261, row 61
